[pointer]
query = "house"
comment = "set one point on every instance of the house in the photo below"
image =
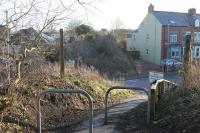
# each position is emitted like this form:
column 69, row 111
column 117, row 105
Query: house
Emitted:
column 130, row 38
column 54, row 34
column 161, row 35
column 30, row 35
column 120, row 36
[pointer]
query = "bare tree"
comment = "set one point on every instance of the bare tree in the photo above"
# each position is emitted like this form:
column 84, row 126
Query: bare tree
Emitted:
column 70, row 29
column 117, row 24
column 39, row 14
column 119, row 32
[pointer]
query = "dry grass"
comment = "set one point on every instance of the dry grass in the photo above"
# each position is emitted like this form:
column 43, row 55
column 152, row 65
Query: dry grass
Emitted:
column 179, row 110
column 19, row 104
column 191, row 81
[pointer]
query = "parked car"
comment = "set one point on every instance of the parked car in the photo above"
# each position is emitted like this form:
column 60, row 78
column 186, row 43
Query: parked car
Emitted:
column 171, row 62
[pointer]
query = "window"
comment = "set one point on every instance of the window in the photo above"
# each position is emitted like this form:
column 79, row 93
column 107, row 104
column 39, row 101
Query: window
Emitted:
column 197, row 52
column 183, row 52
column 173, row 37
column 196, row 37
column 175, row 52
column 147, row 51
column 196, row 23
column 147, row 36
column 129, row 35
column 187, row 33
column 134, row 37
column 172, row 22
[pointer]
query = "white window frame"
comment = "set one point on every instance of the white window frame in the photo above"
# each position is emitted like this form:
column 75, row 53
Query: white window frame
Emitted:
column 173, row 37
column 197, row 50
column 134, row 37
column 147, row 51
column 129, row 35
column 183, row 53
column 197, row 23
column 176, row 51
column 186, row 33
column 197, row 37
column 147, row 36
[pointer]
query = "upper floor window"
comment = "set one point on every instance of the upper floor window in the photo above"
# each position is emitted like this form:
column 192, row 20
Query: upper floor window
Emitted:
column 185, row 34
column 196, row 36
column 134, row 37
column 129, row 35
column 147, row 36
column 196, row 23
column 173, row 36
column 147, row 51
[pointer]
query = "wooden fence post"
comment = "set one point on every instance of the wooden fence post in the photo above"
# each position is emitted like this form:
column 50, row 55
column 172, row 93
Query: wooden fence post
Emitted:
column 153, row 104
column 62, row 67
column 188, row 53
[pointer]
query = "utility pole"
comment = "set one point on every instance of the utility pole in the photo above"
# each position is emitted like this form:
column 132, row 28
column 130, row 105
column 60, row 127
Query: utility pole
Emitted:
column 8, row 65
column 62, row 66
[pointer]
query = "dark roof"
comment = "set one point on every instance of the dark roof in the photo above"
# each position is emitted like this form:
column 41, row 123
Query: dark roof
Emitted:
column 175, row 18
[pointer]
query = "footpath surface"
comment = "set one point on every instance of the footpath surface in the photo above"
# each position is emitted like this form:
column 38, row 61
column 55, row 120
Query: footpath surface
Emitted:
column 113, row 117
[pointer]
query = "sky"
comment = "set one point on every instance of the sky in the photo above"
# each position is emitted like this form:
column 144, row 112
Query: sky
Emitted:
column 98, row 13
column 132, row 12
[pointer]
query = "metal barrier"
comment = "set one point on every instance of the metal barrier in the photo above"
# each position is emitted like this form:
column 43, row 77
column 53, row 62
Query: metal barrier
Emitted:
column 65, row 91
column 129, row 88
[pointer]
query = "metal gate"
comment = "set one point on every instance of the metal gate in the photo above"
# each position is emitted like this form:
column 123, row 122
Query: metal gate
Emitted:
column 52, row 90
column 129, row 88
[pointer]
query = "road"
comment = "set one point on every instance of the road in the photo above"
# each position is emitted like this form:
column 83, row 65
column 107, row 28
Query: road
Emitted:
column 144, row 82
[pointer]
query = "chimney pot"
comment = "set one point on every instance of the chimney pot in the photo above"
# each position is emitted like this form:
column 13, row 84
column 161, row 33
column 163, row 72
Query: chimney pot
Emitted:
column 150, row 8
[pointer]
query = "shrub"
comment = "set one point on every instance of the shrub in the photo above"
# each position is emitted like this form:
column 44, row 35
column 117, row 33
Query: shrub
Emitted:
column 51, row 54
column 102, row 53
column 83, row 29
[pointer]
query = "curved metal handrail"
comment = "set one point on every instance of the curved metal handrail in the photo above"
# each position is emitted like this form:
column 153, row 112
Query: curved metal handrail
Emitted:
column 64, row 90
column 129, row 88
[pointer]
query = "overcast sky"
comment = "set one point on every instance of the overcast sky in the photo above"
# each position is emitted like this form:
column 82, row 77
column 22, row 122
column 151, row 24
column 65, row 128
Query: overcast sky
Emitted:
column 132, row 12
column 100, row 14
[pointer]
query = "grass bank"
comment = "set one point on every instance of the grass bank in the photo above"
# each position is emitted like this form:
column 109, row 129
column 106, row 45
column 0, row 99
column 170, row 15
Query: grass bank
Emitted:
column 18, row 106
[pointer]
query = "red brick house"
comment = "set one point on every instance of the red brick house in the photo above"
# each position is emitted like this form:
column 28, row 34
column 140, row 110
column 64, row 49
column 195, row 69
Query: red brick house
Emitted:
column 161, row 34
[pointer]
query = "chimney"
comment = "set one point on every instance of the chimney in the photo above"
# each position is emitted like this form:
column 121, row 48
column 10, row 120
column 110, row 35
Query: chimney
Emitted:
column 191, row 19
column 150, row 8
column 192, row 11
